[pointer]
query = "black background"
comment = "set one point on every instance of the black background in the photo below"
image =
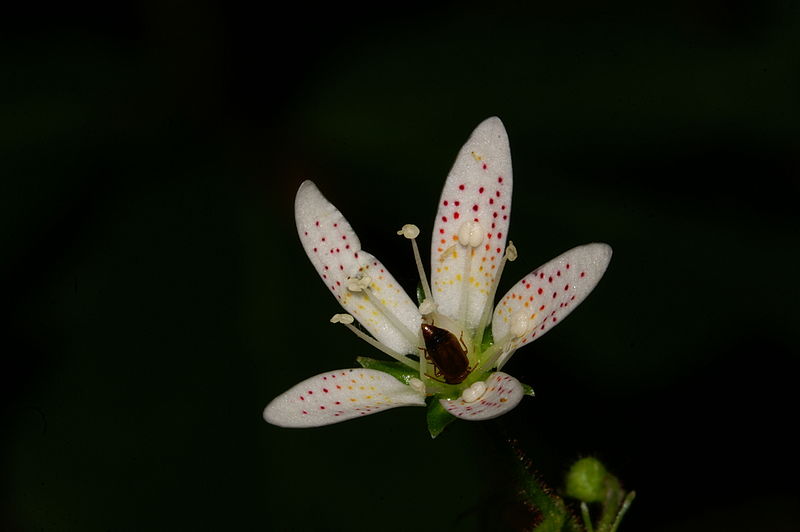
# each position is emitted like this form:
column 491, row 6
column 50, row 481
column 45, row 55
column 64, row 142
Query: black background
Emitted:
column 158, row 296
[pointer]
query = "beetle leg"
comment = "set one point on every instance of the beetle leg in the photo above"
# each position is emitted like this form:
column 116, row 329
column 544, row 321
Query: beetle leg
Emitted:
column 461, row 338
column 427, row 356
column 434, row 378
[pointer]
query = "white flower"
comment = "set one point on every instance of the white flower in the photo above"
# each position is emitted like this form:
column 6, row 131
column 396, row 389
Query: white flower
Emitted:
column 457, row 340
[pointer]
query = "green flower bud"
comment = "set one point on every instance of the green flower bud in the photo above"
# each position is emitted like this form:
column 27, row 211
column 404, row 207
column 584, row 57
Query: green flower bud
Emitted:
column 586, row 480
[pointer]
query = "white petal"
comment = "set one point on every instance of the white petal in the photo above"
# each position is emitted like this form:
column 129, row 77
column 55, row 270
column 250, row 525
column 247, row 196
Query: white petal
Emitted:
column 503, row 392
column 338, row 396
column 335, row 251
column 477, row 191
column 548, row 294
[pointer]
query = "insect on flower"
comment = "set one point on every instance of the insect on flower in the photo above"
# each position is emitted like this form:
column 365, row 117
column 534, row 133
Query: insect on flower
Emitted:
column 453, row 345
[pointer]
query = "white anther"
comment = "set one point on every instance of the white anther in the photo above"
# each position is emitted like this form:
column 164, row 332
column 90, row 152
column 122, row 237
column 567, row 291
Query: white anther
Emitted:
column 470, row 234
column 342, row 318
column 356, row 284
column 511, row 252
column 410, row 231
column 474, row 392
column 417, row 385
column 520, row 323
column 427, row 307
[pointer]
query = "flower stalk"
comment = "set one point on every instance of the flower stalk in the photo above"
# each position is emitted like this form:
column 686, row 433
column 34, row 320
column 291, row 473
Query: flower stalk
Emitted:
column 589, row 482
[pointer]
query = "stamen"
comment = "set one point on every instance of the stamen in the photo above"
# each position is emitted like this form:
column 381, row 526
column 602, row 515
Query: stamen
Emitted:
column 510, row 255
column 343, row 319
column 488, row 358
column 470, row 235
column 520, row 323
column 474, row 392
column 506, row 354
column 362, row 284
column 511, row 251
column 411, row 232
column 451, row 251
column 428, row 307
column 416, row 384
column 359, row 283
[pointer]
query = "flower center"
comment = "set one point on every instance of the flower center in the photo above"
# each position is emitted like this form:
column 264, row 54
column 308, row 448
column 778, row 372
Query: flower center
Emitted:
column 450, row 353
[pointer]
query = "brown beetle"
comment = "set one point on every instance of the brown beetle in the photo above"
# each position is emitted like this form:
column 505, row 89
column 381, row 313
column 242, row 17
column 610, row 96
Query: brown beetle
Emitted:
column 447, row 353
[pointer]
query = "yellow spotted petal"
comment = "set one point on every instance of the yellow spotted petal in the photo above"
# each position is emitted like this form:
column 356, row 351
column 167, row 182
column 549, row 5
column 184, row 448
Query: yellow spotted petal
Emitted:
column 338, row 396
column 471, row 225
column 335, row 251
column 548, row 294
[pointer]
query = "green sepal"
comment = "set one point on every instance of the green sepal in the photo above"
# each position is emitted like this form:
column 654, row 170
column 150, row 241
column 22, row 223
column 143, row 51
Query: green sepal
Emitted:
column 488, row 338
column 438, row 417
column 527, row 389
column 397, row 370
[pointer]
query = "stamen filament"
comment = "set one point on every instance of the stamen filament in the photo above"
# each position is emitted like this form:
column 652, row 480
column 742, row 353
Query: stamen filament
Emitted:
column 414, row 339
column 506, row 355
column 489, row 357
column 463, row 307
column 470, row 236
column 411, row 232
column 422, row 277
column 509, row 255
column 377, row 345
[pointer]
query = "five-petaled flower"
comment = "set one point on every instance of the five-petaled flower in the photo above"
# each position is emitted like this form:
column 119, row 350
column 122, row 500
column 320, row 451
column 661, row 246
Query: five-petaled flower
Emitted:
column 451, row 346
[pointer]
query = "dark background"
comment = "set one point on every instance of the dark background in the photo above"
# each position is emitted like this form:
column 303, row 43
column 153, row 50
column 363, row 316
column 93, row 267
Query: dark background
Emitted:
column 158, row 296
